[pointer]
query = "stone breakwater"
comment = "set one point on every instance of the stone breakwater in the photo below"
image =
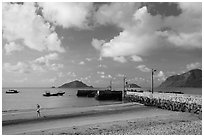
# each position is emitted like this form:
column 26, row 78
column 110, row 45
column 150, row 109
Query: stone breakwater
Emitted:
column 170, row 101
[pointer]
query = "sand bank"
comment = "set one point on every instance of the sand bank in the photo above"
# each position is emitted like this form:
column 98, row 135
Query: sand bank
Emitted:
column 173, row 124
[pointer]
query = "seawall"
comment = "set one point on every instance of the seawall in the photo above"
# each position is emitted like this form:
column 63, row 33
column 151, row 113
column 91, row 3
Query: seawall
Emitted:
column 170, row 101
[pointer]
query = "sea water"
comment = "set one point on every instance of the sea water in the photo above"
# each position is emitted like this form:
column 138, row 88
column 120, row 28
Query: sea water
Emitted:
column 28, row 98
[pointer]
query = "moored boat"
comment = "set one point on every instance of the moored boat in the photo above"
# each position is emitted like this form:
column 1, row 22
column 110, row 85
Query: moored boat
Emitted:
column 61, row 93
column 11, row 91
column 48, row 94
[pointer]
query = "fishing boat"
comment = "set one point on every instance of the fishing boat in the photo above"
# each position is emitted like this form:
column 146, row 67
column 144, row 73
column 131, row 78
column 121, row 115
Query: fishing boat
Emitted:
column 12, row 91
column 48, row 94
column 61, row 93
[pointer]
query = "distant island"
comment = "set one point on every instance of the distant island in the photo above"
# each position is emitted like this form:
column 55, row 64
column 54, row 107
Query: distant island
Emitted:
column 192, row 78
column 75, row 84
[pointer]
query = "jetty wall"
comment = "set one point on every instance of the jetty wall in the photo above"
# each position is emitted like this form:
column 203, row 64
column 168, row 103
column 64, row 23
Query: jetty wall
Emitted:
column 170, row 101
column 86, row 93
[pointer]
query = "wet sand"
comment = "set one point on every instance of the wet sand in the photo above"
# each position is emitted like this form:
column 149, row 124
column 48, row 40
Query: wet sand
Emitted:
column 128, row 118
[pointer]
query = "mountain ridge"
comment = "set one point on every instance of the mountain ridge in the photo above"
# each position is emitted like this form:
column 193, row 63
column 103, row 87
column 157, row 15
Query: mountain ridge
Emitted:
column 192, row 78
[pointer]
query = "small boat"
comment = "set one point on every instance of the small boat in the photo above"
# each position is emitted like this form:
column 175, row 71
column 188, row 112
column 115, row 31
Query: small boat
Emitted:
column 60, row 93
column 11, row 91
column 48, row 94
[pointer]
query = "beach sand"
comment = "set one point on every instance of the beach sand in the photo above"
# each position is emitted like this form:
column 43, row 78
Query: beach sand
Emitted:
column 128, row 118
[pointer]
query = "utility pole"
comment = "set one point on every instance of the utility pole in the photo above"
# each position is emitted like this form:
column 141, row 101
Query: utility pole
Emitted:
column 152, row 85
column 123, row 93
column 111, row 84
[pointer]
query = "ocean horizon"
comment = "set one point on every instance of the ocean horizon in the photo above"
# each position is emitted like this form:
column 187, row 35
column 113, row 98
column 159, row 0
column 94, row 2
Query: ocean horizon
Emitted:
column 30, row 96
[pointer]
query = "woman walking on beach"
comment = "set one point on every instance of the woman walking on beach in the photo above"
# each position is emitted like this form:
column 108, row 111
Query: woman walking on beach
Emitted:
column 38, row 110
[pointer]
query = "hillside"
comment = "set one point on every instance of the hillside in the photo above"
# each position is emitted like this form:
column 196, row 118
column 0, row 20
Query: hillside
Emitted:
column 75, row 84
column 192, row 78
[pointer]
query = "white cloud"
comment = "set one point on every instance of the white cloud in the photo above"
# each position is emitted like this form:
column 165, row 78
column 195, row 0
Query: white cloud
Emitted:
column 71, row 74
column 160, row 76
column 102, row 66
column 81, row 63
column 11, row 47
column 101, row 72
column 20, row 67
column 97, row 44
column 56, row 67
column 116, row 13
column 52, row 80
column 142, row 32
column 20, row 22
column 143, row 68
column 106, row 76
column 43, row 63
column 120, row 59
column 194, row 65
column 89, row 59
column 120, row 75
column 67, row 14
column 136, row 58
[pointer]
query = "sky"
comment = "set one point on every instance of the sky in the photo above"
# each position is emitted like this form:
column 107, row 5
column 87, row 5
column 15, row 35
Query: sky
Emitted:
column 49, row 44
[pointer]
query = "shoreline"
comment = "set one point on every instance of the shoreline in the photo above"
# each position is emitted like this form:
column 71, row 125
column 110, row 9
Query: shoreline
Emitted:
column 53, row 113
column 56, row 122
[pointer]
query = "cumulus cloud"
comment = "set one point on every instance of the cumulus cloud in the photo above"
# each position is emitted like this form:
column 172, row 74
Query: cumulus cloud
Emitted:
column 20, row 67
column 20, row 22
column 116, row 13
column 160, row 76
column 120, row 59
column 120, row 75
column 143, row 68
column 11, row 47
column 142, row 32
column 52, row 80
column 136, row 58
column 56, row 67
column 194, row 65
column 101, row 72
column 68, row 14
column 44, row 63
column 89, row 59
column 106, row 76
column 40, row 64
column 102, row 66
column 71, row 74
column 81, row 63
